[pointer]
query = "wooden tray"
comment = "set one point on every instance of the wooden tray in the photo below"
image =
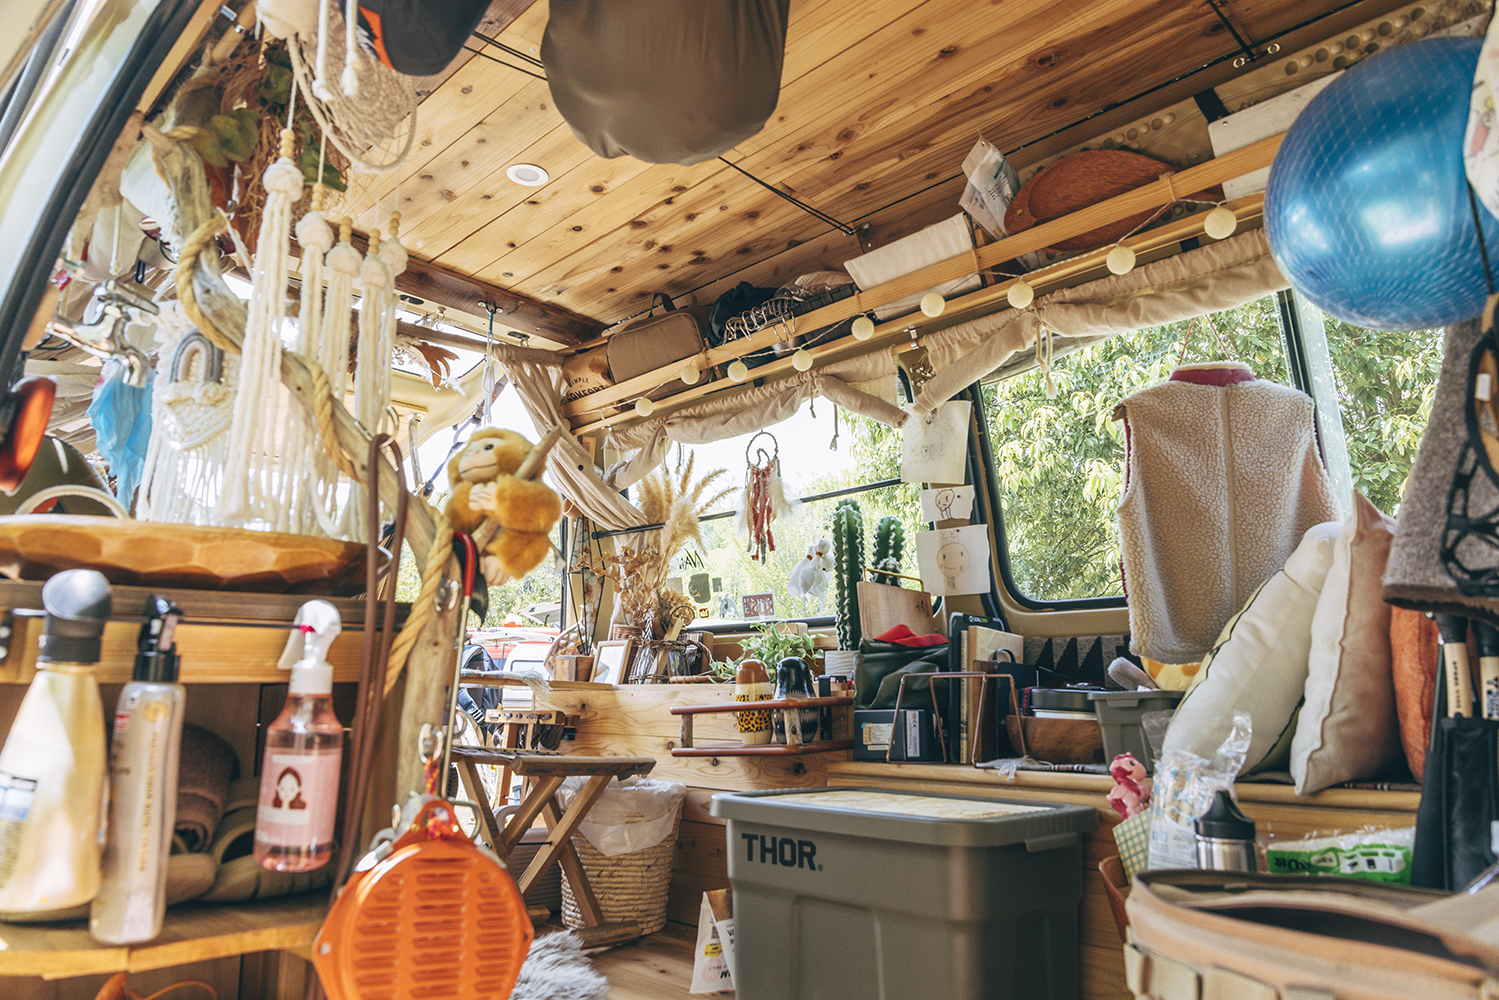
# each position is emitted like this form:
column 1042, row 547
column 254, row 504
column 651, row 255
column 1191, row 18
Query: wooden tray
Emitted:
column 148, row 554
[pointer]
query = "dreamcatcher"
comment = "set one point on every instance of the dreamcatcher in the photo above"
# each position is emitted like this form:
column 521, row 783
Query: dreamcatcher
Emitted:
column 363, row 110
column 764, row 499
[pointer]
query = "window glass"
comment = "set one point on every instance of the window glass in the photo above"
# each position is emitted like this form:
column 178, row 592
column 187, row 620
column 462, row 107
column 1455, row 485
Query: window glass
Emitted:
column 721, row 576
column 1058, row 456
column 1385, row 381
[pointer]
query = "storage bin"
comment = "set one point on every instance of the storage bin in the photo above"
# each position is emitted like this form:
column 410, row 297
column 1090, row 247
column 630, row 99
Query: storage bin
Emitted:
column 878, row 895
column 630, row 884
column 1119, row 714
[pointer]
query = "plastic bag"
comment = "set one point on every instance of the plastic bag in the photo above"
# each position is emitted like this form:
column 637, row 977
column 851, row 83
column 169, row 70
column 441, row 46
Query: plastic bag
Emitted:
column 713, row 960
column 1377, row 855
column 121, row 417
column 1183, row 789
column 630, row 815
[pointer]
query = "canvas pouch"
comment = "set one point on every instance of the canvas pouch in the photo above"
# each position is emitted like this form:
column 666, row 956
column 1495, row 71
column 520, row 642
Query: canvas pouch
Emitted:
column 656, row 340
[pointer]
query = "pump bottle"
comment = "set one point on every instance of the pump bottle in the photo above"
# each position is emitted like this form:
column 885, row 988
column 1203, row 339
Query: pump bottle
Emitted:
column 144, row 756
column 52, row 769
column 303, row 751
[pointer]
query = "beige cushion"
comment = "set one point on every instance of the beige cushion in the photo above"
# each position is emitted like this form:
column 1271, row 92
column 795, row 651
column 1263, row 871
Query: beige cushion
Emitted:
column 1348, row 728
column 1259, row 664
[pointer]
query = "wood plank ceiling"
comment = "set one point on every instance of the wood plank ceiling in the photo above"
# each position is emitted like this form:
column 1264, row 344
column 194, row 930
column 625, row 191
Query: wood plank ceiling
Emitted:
column 880, row 101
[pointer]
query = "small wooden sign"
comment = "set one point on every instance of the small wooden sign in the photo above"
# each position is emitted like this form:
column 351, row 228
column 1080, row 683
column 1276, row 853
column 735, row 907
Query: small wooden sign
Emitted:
column 759, row 605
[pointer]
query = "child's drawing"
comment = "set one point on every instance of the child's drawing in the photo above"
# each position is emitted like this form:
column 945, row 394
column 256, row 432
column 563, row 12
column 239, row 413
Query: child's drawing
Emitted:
column 954, row 560
column 934, row 446
column 947, row 503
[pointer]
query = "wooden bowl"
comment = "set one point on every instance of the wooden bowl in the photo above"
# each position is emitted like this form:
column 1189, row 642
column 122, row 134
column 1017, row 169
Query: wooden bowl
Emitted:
column 1059, row 741
column 1086, row 178
column 148, row 554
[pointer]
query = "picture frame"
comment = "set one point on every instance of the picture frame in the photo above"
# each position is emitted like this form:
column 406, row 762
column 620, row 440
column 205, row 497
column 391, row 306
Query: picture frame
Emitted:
column 611, row 658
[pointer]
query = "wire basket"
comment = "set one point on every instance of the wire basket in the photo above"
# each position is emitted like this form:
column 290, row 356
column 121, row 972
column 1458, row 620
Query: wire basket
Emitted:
column 630, row 887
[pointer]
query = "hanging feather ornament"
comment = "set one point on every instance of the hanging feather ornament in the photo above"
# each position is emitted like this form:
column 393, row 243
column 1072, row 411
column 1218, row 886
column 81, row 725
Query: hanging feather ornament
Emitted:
column 763, row 500
column 251, row 489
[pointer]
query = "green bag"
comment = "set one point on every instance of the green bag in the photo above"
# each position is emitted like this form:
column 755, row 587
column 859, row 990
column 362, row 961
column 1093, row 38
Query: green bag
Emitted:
column 881, row 666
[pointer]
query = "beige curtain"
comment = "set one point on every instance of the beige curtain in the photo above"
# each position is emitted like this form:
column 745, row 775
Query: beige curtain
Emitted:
column 842, row 382
column 537, row 376
column 1215, row 277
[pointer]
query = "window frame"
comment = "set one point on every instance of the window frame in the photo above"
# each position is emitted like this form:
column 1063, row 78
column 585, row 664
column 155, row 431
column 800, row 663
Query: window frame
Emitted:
column 1301, row 359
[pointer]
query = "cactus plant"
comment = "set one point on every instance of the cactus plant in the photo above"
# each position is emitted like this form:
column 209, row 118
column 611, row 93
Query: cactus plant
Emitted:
column 889, row 543
column 848, row 554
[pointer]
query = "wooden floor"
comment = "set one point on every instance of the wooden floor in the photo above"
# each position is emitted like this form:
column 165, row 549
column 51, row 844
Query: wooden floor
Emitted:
column 657, row 967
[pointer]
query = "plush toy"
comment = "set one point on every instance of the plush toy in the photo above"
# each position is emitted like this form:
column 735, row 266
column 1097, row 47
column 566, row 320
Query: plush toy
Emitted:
column 809, row 578
column 484, row 485
column 1128, row 796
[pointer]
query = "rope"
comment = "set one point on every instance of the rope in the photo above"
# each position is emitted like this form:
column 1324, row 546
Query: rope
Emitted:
column 322, row 410
column 202, row 238
column 424, row 608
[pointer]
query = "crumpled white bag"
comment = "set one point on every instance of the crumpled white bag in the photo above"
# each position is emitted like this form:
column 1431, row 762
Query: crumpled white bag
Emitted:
column 630, row 815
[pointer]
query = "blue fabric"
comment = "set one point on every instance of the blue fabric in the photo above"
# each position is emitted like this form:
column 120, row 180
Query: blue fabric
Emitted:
column 121, row 417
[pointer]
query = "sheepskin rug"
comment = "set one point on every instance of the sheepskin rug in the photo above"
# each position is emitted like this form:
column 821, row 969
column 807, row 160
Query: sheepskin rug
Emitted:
column 556, row 969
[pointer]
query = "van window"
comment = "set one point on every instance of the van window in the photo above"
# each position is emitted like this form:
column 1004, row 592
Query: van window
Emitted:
column 1058, row 460
column 866, row 461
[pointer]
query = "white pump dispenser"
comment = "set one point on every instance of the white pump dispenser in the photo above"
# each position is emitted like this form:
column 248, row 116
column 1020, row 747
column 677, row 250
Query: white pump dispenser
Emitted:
column 303, row 752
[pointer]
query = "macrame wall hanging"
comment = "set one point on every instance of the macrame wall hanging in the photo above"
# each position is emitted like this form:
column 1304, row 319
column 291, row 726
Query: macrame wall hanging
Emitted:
column 191, row 406
column 763, row 500
column 252, row 485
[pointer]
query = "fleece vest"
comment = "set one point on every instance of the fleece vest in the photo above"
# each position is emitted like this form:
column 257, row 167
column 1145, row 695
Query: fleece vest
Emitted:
column 1222, row 478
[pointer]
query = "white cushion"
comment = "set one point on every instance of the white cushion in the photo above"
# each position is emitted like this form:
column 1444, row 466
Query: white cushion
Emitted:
column 1348, row 728
column 1259, row 663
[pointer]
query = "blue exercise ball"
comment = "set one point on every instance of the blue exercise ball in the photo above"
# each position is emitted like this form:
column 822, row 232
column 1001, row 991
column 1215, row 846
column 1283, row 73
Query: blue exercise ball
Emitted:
column 1367, row 208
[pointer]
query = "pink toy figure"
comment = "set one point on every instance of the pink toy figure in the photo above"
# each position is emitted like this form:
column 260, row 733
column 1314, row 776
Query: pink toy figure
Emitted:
column 1127, row 796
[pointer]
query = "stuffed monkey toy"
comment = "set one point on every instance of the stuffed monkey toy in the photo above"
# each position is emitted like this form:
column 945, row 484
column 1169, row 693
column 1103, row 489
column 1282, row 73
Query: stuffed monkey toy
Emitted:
column 484, row 485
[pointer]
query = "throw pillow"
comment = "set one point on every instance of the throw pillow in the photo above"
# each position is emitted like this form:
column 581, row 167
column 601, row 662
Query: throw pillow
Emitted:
column 1348, row 728
column 1259, row 663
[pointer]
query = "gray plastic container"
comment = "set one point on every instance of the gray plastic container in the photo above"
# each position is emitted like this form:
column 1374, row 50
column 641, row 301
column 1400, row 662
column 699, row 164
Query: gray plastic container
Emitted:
column 1119, row 714
column 866, row 894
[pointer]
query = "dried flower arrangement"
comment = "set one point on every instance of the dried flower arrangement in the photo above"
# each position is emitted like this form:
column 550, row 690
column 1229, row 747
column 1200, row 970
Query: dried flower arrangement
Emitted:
column 676, row 503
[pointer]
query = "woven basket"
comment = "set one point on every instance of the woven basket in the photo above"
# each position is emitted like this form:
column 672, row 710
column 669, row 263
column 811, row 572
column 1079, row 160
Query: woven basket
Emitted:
column 619, row 630
column 630, row 887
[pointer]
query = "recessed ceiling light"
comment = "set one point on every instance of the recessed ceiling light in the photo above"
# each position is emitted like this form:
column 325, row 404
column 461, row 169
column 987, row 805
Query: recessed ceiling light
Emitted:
column 528, row 174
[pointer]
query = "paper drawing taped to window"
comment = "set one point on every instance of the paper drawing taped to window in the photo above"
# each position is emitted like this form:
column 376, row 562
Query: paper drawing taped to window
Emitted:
column 934, row 446
column 954, row 560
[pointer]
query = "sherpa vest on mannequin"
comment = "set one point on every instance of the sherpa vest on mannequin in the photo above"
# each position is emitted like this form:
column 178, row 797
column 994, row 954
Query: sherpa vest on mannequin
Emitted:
column 1222, row 478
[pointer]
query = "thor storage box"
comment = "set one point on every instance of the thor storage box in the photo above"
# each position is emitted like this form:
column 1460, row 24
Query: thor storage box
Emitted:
column 863, row 894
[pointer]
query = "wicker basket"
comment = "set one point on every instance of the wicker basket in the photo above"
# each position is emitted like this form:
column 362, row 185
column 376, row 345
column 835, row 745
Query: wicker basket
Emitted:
column 630, row 887
column 620, row 630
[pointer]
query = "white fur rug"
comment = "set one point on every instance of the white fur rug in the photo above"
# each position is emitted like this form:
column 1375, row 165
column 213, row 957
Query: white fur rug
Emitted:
column 556, row 969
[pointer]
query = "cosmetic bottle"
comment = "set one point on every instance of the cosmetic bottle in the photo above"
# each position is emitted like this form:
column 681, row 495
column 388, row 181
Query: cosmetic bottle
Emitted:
column 53, row 767
column 303, row 750
column 144, row 756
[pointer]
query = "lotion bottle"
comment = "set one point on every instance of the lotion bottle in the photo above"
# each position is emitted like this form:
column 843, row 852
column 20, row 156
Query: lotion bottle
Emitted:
column 144, row 757
column 303, row 751
column 53, row 766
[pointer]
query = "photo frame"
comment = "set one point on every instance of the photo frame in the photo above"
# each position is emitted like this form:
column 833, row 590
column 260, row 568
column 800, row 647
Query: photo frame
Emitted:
column 610, row 660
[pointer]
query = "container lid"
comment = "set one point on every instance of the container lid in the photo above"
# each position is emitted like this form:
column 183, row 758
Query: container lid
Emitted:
column 1132, row 699
column 1224, row 821
column 943, row 820
column 1062, row 699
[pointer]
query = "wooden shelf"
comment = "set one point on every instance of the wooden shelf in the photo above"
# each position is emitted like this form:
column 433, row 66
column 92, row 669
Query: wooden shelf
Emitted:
column 764, row 749
column 770, row 703
column 194, row 932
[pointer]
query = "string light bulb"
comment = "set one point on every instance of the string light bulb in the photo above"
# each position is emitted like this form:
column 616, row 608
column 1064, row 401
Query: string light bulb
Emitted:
column 863, row 328
column 1220, row 223
column 932, row 304
column 1121, row 259
column 1020, row 294
column 644, row 406
column 738, row 371
column 801, row 360
column 689, row 374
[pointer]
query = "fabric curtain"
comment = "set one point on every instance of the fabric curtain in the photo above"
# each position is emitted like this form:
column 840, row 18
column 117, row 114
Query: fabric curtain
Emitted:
column 537, row 376
column 757, row 408
column 1212, row 278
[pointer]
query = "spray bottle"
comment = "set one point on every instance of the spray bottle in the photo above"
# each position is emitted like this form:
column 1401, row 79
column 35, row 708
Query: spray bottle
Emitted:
column 53, row 766
column 303, row 751
column 143, row 763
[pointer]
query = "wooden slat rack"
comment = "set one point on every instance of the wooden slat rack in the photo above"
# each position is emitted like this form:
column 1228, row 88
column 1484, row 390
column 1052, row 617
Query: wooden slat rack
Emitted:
column 760, row 750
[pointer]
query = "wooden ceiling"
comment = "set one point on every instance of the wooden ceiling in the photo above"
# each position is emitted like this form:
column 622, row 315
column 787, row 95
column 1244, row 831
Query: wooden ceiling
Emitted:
column 880, row 101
